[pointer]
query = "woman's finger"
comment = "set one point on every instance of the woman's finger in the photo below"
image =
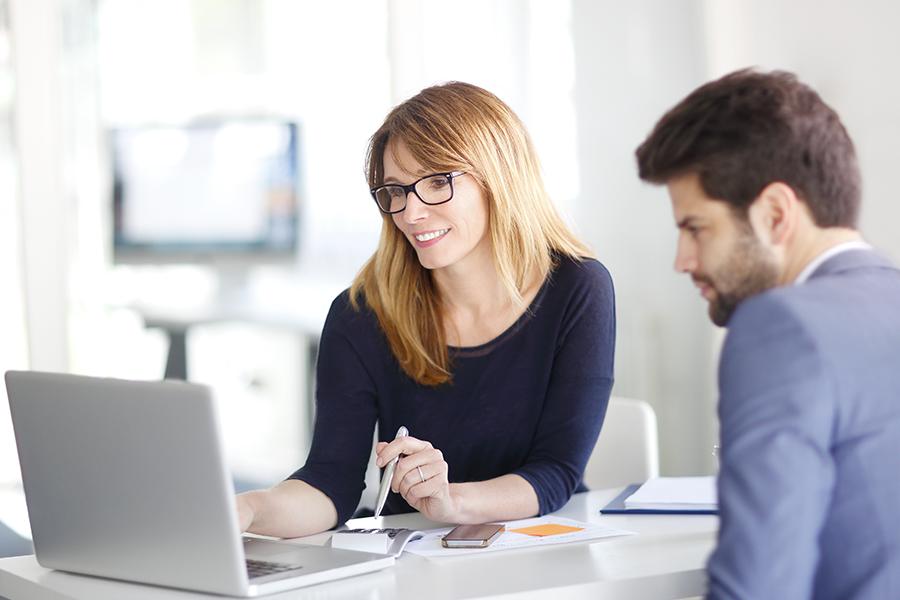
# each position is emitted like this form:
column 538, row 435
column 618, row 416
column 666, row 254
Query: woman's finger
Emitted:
column 435, row 484
column 405, row 445
column 416, row 467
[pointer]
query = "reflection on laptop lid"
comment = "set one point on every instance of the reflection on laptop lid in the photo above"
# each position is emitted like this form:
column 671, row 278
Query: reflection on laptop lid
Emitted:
column 127, row 480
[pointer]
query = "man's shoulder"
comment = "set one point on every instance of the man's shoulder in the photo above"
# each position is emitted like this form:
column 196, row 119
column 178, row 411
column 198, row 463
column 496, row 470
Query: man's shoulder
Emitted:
column 836, row 320
column 774, row 307
column 769, row 334
column 837, row 290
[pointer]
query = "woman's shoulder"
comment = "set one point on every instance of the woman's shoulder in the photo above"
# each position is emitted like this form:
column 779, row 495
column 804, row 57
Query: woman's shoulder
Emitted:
column 581, row 274
column 576, row 285
column 349, row 314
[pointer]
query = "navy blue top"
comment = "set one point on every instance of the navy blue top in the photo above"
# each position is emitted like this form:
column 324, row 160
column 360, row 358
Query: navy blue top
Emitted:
column 529, row 402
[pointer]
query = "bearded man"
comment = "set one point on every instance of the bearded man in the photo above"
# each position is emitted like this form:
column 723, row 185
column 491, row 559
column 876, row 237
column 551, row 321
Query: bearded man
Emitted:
column 765, row 191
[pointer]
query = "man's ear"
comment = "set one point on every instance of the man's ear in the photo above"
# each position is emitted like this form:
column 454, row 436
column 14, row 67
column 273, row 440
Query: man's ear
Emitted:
column 774, row 213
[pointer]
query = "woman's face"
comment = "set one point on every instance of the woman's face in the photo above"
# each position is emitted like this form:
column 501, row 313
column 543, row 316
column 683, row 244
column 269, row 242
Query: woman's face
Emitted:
column 452, row 234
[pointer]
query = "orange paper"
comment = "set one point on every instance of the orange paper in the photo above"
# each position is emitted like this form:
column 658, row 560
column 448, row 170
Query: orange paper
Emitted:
column 545, row 530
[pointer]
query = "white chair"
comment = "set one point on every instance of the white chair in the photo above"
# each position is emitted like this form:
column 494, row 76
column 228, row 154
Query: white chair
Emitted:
column 627, row 450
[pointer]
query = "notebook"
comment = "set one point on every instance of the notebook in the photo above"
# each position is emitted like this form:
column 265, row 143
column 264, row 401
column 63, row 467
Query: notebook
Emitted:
column 667, row 495
column 127, row 480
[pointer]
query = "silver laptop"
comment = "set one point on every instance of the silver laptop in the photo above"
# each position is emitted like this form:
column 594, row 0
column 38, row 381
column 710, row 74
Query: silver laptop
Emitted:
column 127, row 480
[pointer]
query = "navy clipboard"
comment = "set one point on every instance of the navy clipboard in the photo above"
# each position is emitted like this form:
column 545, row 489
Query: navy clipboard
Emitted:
column 617, row 506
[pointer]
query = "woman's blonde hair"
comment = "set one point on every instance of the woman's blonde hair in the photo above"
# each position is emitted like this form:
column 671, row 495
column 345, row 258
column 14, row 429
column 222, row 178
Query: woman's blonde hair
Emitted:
column 458, row 127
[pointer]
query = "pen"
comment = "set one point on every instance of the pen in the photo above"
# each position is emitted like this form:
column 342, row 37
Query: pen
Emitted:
column 388, row 475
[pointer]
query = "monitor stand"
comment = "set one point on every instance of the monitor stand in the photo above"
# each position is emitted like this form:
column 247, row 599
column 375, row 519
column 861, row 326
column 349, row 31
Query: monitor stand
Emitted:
column 234, row 286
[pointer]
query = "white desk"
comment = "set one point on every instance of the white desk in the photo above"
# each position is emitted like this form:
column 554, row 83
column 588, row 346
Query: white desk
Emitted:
column 665, row 560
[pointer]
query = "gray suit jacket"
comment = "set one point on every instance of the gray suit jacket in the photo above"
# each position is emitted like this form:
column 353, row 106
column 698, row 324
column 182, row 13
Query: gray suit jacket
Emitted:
column 809, row 486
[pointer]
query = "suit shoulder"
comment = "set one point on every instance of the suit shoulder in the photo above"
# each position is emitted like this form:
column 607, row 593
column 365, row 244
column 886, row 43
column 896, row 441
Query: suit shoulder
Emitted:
column 776, row 306
column 770, row 329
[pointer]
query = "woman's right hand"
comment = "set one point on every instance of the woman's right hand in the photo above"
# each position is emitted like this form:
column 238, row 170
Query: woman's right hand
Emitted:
column 421, row 477
column 245, row 511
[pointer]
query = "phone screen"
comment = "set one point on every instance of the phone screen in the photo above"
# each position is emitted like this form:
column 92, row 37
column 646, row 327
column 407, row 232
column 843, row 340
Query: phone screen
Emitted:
column 473, row 536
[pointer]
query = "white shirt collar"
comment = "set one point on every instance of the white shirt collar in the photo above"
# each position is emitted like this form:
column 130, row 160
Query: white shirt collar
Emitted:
column 833, row 251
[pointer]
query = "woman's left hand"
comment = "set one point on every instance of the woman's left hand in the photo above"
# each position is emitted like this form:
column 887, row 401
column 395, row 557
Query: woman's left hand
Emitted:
column 420, row 477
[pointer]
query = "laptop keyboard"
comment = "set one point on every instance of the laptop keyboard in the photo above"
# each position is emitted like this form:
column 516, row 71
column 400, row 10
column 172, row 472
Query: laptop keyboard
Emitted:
column 261, row 568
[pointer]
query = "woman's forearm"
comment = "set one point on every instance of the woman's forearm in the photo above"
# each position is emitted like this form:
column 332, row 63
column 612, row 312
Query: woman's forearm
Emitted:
column 503, row 498
column 290, row 509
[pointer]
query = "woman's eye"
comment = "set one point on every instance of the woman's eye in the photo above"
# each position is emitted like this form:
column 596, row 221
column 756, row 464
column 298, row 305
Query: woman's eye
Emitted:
column 437, row 183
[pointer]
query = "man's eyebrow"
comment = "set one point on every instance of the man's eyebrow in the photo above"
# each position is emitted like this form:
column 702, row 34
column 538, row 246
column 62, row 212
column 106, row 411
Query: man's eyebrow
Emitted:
column 687, row 221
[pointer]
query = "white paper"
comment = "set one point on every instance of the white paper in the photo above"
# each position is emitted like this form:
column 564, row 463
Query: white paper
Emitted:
column 675, row 493
column 430, row 544
column 379, row 543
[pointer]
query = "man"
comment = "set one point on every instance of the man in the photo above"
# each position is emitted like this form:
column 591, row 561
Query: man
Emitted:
column 765, row 192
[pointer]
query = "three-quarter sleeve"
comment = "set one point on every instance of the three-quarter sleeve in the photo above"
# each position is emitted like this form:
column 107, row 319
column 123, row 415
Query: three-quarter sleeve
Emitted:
column 346, row 411
column 578, row 391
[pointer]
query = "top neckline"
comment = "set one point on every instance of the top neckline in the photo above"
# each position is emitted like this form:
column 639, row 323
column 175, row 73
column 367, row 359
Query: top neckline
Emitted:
column 487, row 347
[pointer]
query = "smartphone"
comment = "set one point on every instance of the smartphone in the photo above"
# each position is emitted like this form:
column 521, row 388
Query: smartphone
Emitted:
column 473, row 536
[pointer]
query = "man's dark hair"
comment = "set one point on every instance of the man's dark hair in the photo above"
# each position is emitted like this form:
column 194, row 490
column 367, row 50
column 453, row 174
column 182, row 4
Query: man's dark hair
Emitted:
column 749, row 129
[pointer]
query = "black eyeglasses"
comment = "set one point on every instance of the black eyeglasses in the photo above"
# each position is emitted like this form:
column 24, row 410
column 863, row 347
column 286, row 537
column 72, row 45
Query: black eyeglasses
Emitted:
column 436, row 188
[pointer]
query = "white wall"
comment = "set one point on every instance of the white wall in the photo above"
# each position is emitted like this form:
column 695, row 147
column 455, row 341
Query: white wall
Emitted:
column 633, row 61
column 850, row 53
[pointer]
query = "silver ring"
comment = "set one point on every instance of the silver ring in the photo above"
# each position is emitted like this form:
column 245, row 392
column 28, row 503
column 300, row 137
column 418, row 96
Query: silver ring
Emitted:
column 420, row 474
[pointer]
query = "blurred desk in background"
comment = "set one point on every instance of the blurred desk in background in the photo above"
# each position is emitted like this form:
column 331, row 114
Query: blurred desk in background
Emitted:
column 300, row 308
column 258, row 350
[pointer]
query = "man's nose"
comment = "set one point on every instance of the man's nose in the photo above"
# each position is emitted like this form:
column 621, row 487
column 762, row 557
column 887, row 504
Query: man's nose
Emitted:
column 685, row 257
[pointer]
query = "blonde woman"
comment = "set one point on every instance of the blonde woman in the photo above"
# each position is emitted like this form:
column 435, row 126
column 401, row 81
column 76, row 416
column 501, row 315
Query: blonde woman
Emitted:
column 480, row 323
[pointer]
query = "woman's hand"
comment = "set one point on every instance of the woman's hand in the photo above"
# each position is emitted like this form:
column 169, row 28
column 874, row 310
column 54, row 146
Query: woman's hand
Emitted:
column 277, row 511
column 245, row 511
column 420, row 477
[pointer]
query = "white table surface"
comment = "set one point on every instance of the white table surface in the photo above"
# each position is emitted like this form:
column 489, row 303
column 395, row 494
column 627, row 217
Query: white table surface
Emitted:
column 665, row 560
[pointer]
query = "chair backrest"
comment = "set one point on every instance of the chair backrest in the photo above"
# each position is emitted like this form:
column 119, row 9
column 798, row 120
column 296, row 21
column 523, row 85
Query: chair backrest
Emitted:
column 627, row 450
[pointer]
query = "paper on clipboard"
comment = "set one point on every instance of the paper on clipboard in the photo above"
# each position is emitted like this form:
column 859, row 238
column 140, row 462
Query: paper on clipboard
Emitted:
column 675, row 493
column 547, row 531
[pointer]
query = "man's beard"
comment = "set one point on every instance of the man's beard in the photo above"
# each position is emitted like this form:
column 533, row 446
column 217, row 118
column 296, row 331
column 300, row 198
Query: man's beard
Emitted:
column 749, row 270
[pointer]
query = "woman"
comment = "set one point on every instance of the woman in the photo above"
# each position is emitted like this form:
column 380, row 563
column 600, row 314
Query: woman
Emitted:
column 480, row 324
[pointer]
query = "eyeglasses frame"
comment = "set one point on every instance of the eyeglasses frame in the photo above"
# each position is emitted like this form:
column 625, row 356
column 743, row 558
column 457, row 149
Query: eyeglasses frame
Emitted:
column 451, row 175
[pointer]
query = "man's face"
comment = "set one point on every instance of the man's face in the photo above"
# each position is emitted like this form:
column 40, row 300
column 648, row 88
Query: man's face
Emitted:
column 719, row 250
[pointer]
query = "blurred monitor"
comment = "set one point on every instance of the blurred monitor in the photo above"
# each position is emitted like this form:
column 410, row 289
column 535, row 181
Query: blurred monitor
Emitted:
column 222, row 192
